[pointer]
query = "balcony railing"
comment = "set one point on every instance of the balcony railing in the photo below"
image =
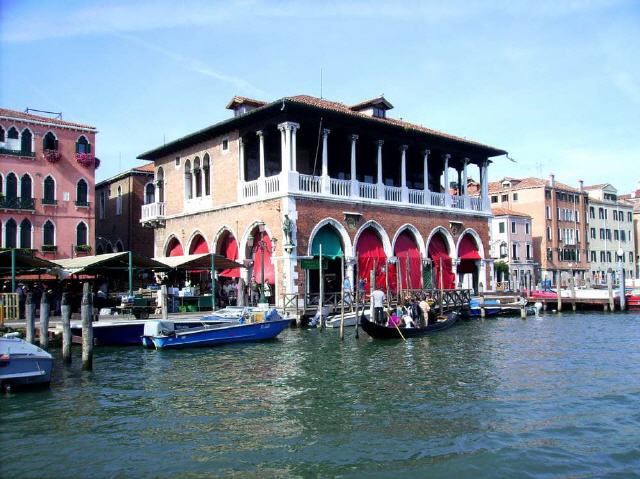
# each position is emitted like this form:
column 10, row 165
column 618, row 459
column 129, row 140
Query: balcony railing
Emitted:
column 7, row 151
column 153, row 212
column 82, row 203
column 17, row 203
column 319, row 186
column 49, row 201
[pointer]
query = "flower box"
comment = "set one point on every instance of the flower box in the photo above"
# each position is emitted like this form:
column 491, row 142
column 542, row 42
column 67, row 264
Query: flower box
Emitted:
column 49, row 248
column 83, row 248
column 52, row 156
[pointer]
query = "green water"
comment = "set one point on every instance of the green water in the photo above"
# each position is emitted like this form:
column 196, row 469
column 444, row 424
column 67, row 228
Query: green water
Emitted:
column 555, row 397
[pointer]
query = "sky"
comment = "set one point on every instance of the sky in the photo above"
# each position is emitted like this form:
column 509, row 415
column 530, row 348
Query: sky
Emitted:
column 555, row 83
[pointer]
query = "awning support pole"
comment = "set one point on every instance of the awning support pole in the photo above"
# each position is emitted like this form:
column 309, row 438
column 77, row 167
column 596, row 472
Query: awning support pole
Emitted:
column 213, row 281
column 130, row 273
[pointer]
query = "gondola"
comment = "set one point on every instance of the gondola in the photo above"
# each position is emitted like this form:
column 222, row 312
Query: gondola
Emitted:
column 383, row 332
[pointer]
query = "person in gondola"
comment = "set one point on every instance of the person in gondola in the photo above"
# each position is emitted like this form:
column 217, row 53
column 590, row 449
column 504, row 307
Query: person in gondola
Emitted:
column 377, row 300
column 424, row 309
column 394, row 320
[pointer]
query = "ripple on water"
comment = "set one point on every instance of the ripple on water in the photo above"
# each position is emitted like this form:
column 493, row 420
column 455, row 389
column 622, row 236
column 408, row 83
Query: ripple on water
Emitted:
column 500, row 398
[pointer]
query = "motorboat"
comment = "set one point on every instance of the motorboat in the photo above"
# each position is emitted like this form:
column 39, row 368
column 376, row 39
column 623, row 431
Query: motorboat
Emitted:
column 254, row 325
column 22, row 363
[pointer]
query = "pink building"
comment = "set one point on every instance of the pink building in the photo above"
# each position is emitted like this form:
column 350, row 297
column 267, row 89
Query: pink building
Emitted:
column 47, row 180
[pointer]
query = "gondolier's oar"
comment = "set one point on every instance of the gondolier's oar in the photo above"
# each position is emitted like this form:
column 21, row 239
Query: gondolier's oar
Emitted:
column 396, row 325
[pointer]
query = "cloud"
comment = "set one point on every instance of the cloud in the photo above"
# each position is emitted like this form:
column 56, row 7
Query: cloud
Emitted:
column 35, row 24
column 192, row 64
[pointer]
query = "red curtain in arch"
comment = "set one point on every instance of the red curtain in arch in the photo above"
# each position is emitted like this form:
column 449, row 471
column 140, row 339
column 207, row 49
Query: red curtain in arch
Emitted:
column 370, row 251
column 229, row 249
column 257, row 256
column 198, row 246
column 409, row 264
column 442, row 264
column 174, row 248
column 468, row 254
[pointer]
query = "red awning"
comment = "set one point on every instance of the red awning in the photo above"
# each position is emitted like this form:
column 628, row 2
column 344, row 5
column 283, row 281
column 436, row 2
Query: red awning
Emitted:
column 468, row 248
column 371, row 252
column 442, row 264
column 229, row 249
column 409, row 265
column 174, row 248
column 257, row 255
column 199, row 246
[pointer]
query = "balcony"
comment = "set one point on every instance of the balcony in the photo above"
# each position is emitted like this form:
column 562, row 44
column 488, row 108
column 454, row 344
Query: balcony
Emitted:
column 49, row 202
column 17, row 203
column 48, row 248
column 24, row 154
column 82, row 203
column 153, row 214
column 326, row 187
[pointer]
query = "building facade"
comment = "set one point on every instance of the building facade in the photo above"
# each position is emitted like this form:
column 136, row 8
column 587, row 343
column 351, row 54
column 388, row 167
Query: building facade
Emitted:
column 118, row 207
column 47, row 178
column 280, row 181
column 633, row 199
column 512, row 244
column 558, row 223
column 611, row 233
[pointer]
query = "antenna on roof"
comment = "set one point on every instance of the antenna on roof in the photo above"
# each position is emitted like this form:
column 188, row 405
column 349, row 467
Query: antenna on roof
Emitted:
column 320, row 82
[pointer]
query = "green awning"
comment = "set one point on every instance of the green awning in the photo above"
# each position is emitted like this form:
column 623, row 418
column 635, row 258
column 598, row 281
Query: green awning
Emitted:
column 330, row 241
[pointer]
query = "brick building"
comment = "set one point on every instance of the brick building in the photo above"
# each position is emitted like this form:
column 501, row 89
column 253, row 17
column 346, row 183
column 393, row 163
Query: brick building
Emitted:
column 47, row 178
column 279, row 180
column 118, row 208
column 559, row 222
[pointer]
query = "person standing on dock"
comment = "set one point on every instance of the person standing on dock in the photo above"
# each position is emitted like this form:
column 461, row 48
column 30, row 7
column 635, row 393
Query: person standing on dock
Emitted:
column 377, row 299
column 346, row 290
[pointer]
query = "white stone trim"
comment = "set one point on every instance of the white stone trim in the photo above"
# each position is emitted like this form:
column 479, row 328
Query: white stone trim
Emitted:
column 195, row 232
column 453, row 251
column 416, row 236
column 386, row 243
column 344, row 236
column 474, row 234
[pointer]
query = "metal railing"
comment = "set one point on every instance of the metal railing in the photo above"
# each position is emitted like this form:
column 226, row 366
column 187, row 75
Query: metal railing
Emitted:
column 17, row 203
column 8, row 151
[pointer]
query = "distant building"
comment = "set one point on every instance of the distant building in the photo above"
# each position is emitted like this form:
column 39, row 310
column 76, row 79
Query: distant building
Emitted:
column 47, row 178
column 118, row 208
column 633, row 199
column 611, row 232
column 512, row 243
column 558, row 219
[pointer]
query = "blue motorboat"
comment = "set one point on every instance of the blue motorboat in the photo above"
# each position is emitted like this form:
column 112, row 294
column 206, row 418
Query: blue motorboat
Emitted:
column 257, row 326
column 474, row 307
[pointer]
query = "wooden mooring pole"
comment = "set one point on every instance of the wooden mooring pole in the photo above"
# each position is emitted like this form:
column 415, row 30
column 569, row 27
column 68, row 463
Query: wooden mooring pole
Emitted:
column 30, row 316
column 612, row 306
column 559, row 291
column 87, row 328
column 45, row 312
column 165, row 302
column 65, row 309
column 342, row 298
column 572, row 285
column 482, row 310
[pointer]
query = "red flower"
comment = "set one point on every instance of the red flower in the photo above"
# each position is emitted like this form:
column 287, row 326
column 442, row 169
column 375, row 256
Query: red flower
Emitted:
column 85, row 159
column 52, row 156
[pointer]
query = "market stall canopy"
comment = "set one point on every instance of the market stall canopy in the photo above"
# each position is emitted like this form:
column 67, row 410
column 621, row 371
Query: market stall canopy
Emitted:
column 104, row 263
column 198, row 262
column 331, row 244
column 24, row 263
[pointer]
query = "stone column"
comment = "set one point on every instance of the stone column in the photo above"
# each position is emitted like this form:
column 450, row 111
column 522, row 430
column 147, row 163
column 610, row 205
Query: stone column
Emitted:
column 464, row 191
column 447, row 196
column 379, row 175
column 355, row 189
column 284, row 157
column 289, row 175
column 326, row 181
column 403, row 173
column 294, row 148
column 486, row 204
column 261, row 177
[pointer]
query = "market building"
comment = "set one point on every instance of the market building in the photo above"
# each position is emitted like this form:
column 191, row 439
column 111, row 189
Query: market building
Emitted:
column 47, row 178
column 278, row 181
column 118, row 207
column 558, row 223
column 512, row 244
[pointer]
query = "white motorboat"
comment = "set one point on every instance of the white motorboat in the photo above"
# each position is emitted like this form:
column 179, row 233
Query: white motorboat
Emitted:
column 22, row 363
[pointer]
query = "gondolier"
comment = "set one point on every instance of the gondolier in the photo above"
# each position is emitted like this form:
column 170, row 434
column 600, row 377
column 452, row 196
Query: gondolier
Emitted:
column 377, row 301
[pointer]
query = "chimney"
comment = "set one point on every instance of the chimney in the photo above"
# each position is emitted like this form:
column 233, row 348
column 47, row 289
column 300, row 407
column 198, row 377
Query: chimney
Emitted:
column 552, row 180
column 581, row 185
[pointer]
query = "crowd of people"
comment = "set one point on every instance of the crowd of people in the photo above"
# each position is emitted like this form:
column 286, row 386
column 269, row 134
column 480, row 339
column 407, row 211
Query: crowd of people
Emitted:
column 413, row 312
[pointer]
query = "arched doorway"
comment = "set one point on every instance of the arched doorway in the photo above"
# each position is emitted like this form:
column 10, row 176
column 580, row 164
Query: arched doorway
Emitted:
column 198, row 245
column 407, row 271
column 469, row 264
column 440, row 274
column 371, row 257
column 262, row 274
column 228, row 247
column 328, row 239
column 174, row 248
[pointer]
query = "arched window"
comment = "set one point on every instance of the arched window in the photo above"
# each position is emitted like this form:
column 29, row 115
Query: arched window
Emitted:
column 81, row 234
column 119, row 201
column 26, row 192
column 49, row 194
column 10, row 230
column 188, row 191
column 49, row 142
column 99, row 249
column 207, row 175
column 119, row 247
column 26, row 146
column 197, row 177
column 149, row 194
column 12, row 187
column 25, row 233
column 13, row 139
column 1, row 135
column 1, row 184
column 160, row 184
column 48, row 234
column 82, row 145
column 82, row 193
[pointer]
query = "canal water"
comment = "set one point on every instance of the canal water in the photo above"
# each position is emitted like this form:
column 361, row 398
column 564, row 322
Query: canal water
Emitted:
column 554, row 397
